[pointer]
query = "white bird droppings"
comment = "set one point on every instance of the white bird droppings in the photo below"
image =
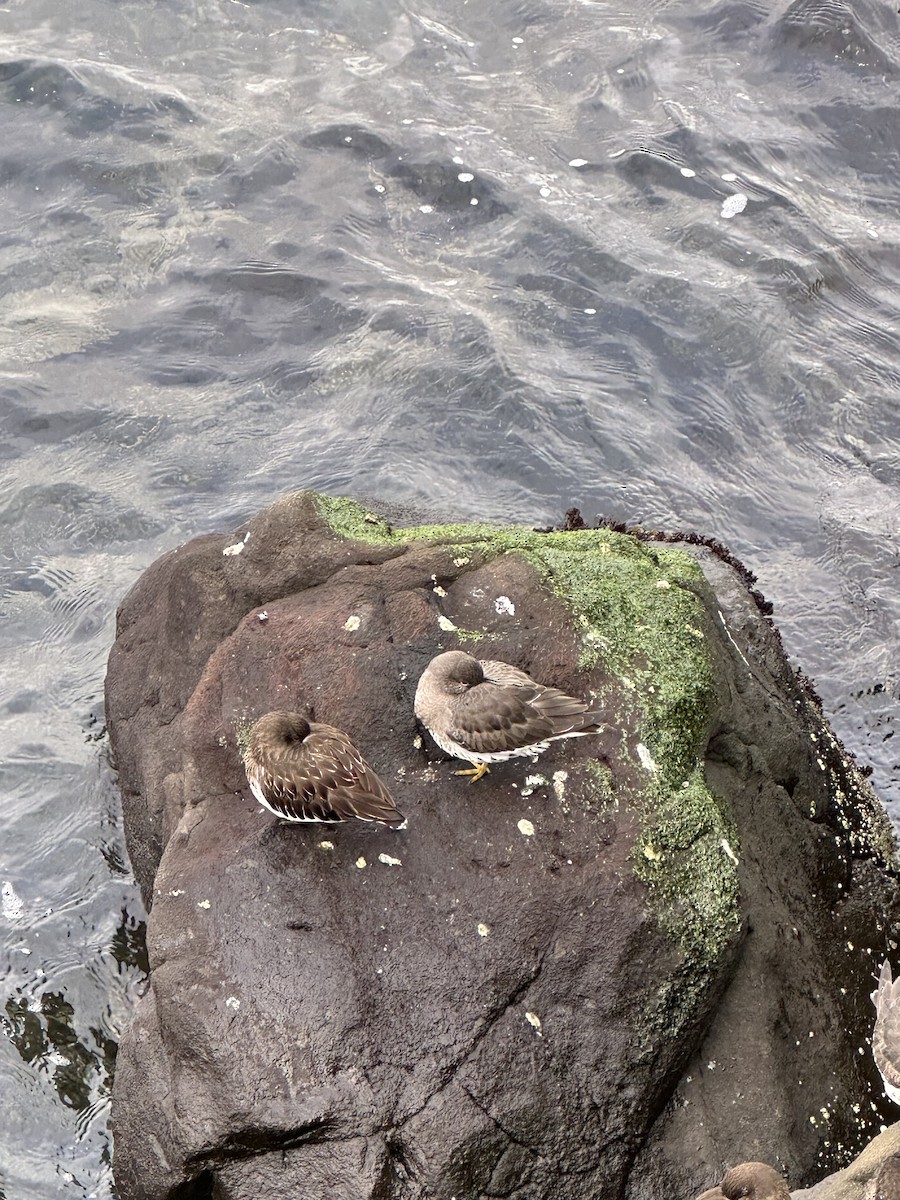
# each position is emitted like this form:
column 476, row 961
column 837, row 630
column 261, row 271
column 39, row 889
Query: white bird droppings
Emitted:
column 232, row 1002
column 461, row 562
column 532, row 782
column 388, row 861
column 10, row 903
column 483, row 930
column 203, row 904
column 446, row 624
column 263, row 616
column 417, row 742
column 177, row 892
column 728, row 850
column 646, row 758
column 663, row 583
column 559, row 783
column 326, row 845
column 235, row 549
column 504, row 606
column 438, row 590
column 535, row 1022
column 361, row 863
column 545, row 192
column 465, row 177
column 578, row 162
column 526, row 828
column 732, row 205
column 352, row 624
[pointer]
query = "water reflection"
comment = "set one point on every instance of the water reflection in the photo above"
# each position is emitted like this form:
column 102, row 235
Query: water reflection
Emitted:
column 45, row 1037
column 45, row 1030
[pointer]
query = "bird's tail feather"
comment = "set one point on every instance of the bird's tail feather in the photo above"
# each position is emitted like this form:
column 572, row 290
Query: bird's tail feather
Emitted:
column 369, row 807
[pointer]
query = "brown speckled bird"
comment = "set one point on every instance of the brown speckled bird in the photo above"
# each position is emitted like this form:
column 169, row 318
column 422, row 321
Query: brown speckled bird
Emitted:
column 487, row 712
column 886, row 1034
column 750, row 1180
column 305, row 771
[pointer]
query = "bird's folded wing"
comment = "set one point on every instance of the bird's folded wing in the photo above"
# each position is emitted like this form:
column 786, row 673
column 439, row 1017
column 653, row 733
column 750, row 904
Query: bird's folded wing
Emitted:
column 499, row 720
column 327, row 779
column 504, row 674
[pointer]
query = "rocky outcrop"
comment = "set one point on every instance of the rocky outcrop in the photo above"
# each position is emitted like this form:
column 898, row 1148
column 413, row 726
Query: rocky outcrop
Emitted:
column 609, row 974
column 873, row 1175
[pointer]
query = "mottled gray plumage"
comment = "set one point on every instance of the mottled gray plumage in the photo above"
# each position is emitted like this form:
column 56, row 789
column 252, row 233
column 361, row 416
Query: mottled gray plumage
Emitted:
column 485, row 711
column 886, row 1034
column 750, row 1180
column 303, row 771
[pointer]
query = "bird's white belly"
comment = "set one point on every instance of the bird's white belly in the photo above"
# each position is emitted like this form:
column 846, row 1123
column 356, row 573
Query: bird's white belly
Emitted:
column 472, row 756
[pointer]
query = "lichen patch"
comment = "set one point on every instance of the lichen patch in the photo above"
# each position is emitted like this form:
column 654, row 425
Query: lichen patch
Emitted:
column 532, row 782
column 646, row 758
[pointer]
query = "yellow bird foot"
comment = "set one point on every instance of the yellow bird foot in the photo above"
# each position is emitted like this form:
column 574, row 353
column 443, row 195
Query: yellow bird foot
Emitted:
column 476, row 772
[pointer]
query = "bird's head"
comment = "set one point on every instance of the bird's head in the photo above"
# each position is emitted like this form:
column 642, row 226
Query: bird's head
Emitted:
column 455, row 672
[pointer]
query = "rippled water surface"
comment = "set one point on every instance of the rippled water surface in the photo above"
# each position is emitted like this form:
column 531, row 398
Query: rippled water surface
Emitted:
column 489, row 258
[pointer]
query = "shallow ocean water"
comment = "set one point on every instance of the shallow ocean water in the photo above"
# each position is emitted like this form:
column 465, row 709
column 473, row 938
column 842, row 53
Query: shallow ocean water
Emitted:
column 490, row 260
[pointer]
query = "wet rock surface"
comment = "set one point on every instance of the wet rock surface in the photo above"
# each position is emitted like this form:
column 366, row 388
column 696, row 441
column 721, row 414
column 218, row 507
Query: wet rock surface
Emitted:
column 586, row 977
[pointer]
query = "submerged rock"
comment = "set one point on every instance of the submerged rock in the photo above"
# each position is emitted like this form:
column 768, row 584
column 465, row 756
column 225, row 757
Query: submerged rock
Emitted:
column 610, row 974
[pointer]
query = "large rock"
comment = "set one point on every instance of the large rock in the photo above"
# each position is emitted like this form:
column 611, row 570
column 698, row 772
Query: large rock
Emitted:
column 873, row 1175
column 668, row 975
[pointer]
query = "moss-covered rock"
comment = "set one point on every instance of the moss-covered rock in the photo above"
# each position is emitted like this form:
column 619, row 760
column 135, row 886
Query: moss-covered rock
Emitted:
column 600, row 975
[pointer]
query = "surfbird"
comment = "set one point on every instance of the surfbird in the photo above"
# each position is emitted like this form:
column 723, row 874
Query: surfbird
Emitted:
column 305, row 771
column 486, row 712
column 754, row 1180
column 886, row 1034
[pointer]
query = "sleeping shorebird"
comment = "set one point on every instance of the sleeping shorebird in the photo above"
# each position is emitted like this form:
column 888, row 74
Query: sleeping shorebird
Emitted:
column 303, row 771
column 487, row 712
column 886, row 1034
column 753, row 1180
